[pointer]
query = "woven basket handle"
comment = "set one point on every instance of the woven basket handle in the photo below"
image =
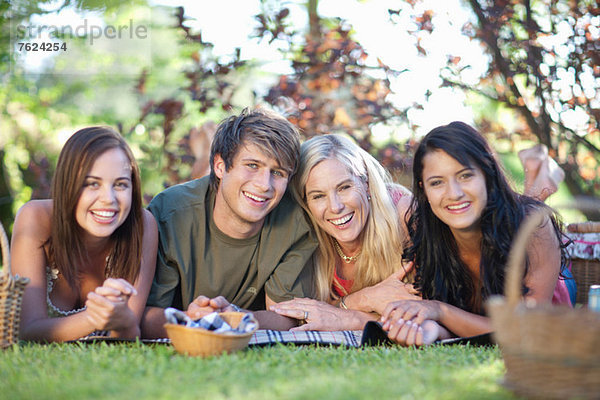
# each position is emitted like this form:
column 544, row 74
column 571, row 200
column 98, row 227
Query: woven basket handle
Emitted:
column 516, row 257
column 5, row 249
column 584, row 227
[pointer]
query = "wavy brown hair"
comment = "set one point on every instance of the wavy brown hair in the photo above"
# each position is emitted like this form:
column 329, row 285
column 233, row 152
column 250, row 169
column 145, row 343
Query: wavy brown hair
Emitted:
column 67, row 251
column 270, row 132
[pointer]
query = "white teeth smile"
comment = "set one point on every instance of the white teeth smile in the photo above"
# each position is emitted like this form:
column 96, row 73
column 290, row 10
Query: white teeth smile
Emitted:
column 253, row 197
column 343, row 220
column 104, row 214
column 459, row 206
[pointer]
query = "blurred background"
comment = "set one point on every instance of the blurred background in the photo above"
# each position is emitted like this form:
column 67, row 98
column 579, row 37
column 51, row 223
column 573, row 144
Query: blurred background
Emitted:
column 165, row 72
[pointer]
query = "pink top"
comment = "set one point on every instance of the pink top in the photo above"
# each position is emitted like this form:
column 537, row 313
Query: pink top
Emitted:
column 561, row 294
column 346, row 284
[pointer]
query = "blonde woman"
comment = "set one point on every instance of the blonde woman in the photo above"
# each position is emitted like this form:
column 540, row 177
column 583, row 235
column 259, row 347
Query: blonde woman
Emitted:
column 357, row 213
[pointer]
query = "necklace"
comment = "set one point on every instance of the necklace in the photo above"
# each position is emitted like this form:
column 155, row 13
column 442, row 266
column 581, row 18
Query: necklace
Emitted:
column 346, row 259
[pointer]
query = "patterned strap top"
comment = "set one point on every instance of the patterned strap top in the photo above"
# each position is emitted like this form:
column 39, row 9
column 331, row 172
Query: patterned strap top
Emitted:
column 53, row 311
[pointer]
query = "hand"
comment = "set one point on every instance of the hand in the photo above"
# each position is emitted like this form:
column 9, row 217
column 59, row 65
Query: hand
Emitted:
column 405, row 270
column 408, row 333
column 410, row 310
column 321, row 316
column 375, row 298
column 107, row 307
column 202, row 306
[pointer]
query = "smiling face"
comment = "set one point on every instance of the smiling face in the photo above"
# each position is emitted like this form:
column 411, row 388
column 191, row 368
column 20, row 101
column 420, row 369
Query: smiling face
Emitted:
column 105, row 200
column 337, row 200
column 456, row 193
column 248, row 191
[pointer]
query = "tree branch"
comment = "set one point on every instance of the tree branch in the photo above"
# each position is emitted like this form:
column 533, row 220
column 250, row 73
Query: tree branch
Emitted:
column 490, row 37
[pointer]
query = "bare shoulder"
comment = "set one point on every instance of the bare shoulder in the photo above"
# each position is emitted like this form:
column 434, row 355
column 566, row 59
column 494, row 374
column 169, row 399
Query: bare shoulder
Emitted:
column 544, row 254
column 544, row 246
column 404, row 202
column 34, row 218
column 38, row 208
column 149, row 221
column 150, row 242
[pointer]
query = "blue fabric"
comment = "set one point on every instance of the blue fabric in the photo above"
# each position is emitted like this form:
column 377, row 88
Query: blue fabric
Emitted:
column 570, row 284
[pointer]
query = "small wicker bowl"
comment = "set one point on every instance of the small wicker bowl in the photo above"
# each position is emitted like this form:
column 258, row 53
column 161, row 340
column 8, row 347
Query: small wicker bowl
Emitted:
column 203, row 343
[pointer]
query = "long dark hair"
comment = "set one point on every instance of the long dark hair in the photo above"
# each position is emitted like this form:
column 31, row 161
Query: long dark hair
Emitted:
column 66, row 248
column 440, row 273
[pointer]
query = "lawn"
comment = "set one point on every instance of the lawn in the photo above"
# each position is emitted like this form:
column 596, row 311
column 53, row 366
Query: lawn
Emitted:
column 138, row 371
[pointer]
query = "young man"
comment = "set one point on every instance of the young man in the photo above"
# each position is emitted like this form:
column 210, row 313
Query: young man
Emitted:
column 235, row 236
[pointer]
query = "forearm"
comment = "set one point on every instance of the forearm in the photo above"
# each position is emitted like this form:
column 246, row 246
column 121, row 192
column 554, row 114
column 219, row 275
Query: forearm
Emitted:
column 130, row 333
column 59, row 329
column 463, row 323
column 153, row 321
column 343, row 319
column 271, row 320
column 355, row 320
column 374, row 299
column 359, row 301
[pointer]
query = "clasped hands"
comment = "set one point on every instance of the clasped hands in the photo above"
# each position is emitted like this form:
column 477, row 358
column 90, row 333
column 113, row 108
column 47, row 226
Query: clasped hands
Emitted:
column 107, row 306
column 412, row 322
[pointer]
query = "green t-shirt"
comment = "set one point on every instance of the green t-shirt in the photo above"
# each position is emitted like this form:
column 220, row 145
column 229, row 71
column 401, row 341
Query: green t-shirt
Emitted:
column 195, row 258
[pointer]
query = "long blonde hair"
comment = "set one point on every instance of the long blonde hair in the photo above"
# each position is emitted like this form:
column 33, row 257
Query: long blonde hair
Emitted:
column 383, row 238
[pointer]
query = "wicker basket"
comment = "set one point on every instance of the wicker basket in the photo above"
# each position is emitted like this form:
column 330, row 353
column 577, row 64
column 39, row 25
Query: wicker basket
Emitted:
column 204, row 343
column 549, row 351
column 585, row 271
column 11, row 294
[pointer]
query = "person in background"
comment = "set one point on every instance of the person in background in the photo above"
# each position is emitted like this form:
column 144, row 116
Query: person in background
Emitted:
column 90, row 250
column 542, row 173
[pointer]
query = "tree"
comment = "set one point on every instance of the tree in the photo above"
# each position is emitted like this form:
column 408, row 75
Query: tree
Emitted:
column 35, row 109
column 545, row 65
column 332, row 87
column 159, row 112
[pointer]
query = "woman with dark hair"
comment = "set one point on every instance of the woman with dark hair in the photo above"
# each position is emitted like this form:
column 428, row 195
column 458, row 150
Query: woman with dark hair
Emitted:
column 463, row 218
column 90, row 251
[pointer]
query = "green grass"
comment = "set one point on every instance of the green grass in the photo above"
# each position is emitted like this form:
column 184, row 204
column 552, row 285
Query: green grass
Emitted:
column 137, row 371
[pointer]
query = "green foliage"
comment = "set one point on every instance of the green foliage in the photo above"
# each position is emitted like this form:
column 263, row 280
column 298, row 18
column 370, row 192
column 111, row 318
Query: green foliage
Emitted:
column 155, row 105
column 279, row 372
column 163, row 106
column 544, row 69
column 333, row 89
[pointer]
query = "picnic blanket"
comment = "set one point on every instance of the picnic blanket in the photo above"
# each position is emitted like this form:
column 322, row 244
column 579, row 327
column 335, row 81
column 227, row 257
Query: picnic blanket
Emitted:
column 371, row 335
column 585, row 246
column 264, row 337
